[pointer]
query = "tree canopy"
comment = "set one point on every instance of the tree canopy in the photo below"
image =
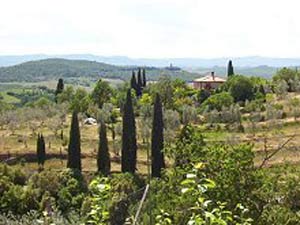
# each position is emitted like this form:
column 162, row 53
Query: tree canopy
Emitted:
column 241, row 88
column 217, row 101
column 101, row 93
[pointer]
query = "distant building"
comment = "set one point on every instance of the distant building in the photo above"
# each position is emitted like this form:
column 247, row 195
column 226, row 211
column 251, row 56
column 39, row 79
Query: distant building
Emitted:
column 172, row 68
column 210, row 81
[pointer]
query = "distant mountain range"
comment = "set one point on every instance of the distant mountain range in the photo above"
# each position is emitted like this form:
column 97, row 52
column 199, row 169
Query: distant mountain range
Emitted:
column 253, row 61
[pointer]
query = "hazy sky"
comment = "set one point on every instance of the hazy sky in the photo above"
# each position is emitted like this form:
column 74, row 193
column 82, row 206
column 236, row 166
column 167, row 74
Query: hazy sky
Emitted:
column 151, row 28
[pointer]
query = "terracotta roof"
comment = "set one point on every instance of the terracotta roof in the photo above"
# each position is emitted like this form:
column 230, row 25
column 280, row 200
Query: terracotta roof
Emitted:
column 210, row 78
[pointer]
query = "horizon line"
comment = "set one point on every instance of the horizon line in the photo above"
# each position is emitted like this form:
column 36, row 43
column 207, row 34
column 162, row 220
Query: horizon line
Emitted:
column 156, row 58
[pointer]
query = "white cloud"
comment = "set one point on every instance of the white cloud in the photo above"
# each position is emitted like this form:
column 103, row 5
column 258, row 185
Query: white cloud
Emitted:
column 151, row 28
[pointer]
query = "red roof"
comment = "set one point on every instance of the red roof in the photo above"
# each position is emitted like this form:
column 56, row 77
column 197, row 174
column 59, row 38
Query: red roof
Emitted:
column 210, row 78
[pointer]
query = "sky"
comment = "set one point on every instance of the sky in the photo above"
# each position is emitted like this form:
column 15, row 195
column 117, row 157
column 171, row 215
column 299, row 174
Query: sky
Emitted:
column 151, row 28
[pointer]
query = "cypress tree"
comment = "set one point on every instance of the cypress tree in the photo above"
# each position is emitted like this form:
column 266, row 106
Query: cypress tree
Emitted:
column 133, row 83
column 59, row 88
column 157, row 140
column 103, row 159
column 74, row 151
column 43, row 150
column 38, row 149
column 129, row 146
column 230, row 70
column 144, row 78
column 139, row 91
column 140, row 81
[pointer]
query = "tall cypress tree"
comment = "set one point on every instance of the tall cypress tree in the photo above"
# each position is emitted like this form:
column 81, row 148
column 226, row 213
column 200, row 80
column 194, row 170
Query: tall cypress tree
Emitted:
column 230, row 70
column 157, row 141
column 129, row 146
column 139, row 91
column 140, row 81
column 59, row 88
column 41, row 150
column 133, row 83
column 38, row 149
column 103, row 159
column 74, row 151
column 139, row 84
column 144, row 78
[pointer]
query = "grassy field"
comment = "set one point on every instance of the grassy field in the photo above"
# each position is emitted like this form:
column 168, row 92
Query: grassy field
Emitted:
column 23, row 143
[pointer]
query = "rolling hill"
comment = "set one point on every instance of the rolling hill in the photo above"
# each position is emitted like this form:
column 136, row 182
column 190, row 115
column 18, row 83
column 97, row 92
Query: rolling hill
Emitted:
column 54, row 68
column 48, row 69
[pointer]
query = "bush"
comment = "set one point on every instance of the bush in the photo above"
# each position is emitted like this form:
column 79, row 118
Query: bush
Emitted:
column 231, row 167
column 287, row 75
column 35, row 218
column 202, row 95
column 217, row 101
column 182, row 198
column 117, row 195
column 12, row 174
column 253, row 106
column 64, row 190
column 278, row 215
column 241, row 88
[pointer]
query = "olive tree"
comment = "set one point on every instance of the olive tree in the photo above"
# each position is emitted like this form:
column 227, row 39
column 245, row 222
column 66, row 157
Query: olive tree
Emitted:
column 109, row 115
column 171, row 125
column 274, row 112
column 55, row 124
column 13, row 123
column 118, row 140
column 189, row 114
column 286, row 74
column 217, row 101
column 101, row 93
column 211, row 116
column 294, row 104
column 255, row 117
column 165, row 88
column 232, row 116
column 144, row 123
column 295, row 84
column 281, row 88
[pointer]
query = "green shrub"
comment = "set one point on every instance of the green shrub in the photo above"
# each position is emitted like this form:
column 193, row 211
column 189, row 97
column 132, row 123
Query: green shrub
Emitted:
column 241, row 88
column 13, row 174
column 202, row 95
column 217, row 101
column 252, row 106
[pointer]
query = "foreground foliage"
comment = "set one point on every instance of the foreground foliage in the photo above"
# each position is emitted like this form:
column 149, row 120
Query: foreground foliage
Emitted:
column 208, row 184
